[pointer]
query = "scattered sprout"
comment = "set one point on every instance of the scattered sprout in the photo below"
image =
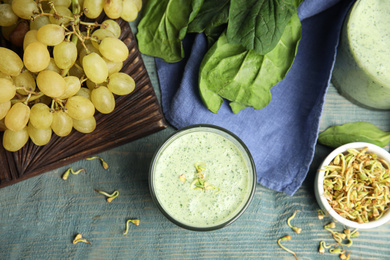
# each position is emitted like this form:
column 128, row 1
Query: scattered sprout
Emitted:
column 321, row 214
column 65, row 176
column 296, row 229
column 79, row 238
column 285, row 238
column 110, row 197
column 134, row 221
column 104, row 163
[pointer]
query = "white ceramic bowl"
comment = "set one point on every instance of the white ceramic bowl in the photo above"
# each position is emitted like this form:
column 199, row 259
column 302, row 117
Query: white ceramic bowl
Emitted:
column 319, row 188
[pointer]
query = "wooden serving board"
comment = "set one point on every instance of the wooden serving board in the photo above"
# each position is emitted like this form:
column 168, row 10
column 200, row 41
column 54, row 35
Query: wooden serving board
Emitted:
column 136, row 115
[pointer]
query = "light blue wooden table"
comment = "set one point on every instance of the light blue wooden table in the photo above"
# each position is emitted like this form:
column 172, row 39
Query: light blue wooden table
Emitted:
column 39, row 217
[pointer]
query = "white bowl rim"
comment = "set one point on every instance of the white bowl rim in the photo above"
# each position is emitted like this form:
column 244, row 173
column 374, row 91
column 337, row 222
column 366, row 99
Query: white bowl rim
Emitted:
column 319, row 190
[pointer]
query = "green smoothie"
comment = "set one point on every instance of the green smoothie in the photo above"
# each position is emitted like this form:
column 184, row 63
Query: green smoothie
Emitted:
column 362, row 67
column 202, row 179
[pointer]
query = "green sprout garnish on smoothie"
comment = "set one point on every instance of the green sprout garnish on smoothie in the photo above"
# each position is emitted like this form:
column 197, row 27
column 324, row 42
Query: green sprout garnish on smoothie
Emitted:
column 200, row 166
column 182, row 178
column 199, row 182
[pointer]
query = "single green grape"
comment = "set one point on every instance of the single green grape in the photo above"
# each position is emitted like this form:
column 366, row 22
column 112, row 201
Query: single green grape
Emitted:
column 15, row 140
column 76, row 71
column 91, row 85
column 80, row 108
column 51, row 83
column 103, row 100
column 130, row 10
column 10, row 62
column 95, row 68
column 53, row 66
column 63, row 14
column 29, row 37
column 113, row 8
column 39, row 136
column 7, row 16
column 40, row 116
column 113, row 27
column 38, row 22
column 85, row 51
column 138, row 3
column 84, row 92
column 65, row 54
column 25, row 8
column 6, row 31
column 98, row 35
column 24, row 80
column 85, row 126
column 7, row 90
column 51, row 34
column 113, row 49
column 62, row 124
column 113, row 66
column 36, row 57
column 121, row 84
column 17, row 117
column 4, row 108
column 5, row 76
column 65, row 3
column 93, row 8
column 73, row 85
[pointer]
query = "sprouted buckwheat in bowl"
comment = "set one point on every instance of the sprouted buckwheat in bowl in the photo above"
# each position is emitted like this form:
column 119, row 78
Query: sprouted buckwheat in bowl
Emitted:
column 352, row 185
column 202, row 178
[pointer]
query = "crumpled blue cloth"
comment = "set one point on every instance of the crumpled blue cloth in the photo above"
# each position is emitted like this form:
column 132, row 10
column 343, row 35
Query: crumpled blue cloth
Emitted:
column 282, row 136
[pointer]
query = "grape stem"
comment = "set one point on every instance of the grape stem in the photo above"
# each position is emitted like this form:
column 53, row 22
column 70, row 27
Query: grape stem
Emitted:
column 32, row 97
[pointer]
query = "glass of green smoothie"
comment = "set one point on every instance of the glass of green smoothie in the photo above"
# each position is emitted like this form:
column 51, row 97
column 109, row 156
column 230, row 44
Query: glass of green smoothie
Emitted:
column 361, row 72
column 202, row 177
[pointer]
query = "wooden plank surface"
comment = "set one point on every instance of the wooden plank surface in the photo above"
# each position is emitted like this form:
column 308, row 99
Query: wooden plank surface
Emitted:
column 39, row 217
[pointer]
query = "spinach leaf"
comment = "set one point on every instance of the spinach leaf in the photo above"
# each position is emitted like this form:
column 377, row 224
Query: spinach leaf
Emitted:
column 212, row 19
column 213, row 13
column 259, row 24
column 336, row 136
column 213, row 33
column 164, row 25
column 245, row 77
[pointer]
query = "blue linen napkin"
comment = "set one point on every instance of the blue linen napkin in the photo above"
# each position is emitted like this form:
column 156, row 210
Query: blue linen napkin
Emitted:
column 282, row 136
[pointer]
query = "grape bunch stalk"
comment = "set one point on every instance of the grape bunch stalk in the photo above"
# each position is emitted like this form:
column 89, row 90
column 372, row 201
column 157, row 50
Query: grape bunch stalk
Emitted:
column 69, row 68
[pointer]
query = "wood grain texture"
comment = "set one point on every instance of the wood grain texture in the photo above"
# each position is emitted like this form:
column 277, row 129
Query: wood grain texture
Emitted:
column 136, row 115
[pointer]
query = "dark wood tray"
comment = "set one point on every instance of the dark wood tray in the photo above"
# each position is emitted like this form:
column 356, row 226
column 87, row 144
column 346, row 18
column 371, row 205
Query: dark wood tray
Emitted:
column 136, row 115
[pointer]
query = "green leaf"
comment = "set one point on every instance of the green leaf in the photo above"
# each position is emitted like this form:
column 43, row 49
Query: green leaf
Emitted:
column 212, row 19
column 259, row 24
column 336, row 136
column 245, row 77
column 164, row 25
column 213, row 13
column 213, row 33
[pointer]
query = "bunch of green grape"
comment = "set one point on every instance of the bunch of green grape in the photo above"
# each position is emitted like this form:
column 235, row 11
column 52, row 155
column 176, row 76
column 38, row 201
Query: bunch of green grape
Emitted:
column 64, row 73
